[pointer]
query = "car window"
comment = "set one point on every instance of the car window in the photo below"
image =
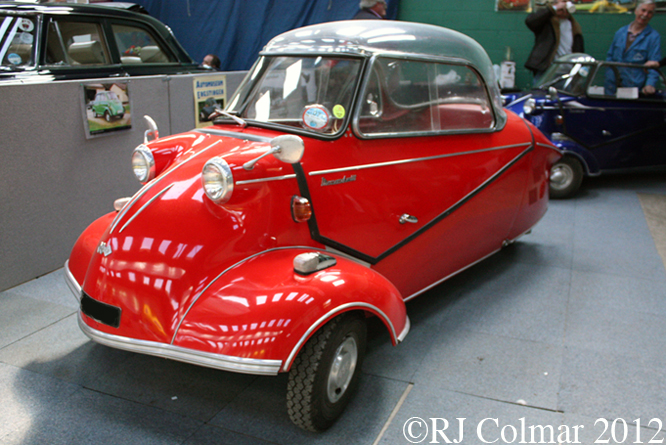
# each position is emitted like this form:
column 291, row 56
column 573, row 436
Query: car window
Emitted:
column 17, row 37
column 617, row 81
column 137, row 45
column 311, row 93
column 74, row 43
column 408, row 96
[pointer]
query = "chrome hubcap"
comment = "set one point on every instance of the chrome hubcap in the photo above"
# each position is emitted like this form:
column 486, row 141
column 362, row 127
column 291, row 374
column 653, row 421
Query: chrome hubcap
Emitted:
column 342, row 369
column 561, row 176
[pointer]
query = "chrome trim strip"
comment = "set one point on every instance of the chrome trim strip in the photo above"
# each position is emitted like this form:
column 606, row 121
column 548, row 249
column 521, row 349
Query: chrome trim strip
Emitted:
column 275, row 178
column 328, row 315
column 409, row 161
column 143, row 207
column 196, row 298
column 207, row 359
column 575, row 105
column 131, row 202
column 518, row 100
column 416, row 294
column 73, row 285
column 405, row 331
column 232, row 134
column 150, row 185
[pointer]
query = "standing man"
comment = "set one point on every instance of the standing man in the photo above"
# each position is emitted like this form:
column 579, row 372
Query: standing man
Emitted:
column 556, row 33
column 638, row 42
column 211, row 61
column 371, row 10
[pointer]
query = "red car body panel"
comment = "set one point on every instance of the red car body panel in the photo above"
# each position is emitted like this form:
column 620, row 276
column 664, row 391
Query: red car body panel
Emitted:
column 215, row 283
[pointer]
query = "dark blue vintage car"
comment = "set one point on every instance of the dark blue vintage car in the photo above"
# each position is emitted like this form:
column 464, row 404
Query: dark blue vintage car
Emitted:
column 598, row 115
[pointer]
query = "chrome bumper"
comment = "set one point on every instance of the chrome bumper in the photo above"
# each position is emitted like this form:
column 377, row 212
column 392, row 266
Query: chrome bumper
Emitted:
column 73, row 285
column 207, row 359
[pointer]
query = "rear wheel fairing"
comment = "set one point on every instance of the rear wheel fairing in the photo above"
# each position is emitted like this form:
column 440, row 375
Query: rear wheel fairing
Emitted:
column 262, row 309
column 535, row 199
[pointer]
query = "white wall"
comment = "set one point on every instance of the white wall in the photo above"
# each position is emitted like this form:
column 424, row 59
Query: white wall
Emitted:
column 54, row 182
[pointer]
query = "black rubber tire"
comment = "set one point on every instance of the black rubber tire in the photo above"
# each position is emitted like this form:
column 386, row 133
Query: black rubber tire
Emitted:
column 107, row 116
column 571, row 170
column 308, row 403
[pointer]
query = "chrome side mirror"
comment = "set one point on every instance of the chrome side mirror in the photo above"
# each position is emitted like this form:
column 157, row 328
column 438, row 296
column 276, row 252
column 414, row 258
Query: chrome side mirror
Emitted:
column 552, row 91
column 286, row 148
column 152, row 132
column 289, row 148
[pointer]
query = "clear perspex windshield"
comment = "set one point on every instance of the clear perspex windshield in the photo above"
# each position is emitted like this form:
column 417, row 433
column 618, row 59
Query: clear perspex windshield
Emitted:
column 17, row 39
column 567, row 77
column 311, row 93
column 610, row 80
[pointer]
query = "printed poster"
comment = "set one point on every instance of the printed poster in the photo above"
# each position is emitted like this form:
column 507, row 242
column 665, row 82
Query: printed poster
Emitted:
column 210, row 92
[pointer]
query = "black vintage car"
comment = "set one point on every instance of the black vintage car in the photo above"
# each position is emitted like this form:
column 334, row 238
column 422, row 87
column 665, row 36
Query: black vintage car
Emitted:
column 58, row 41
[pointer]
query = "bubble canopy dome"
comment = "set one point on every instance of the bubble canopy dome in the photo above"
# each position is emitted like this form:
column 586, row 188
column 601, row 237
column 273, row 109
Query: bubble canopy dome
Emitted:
column 367, row 38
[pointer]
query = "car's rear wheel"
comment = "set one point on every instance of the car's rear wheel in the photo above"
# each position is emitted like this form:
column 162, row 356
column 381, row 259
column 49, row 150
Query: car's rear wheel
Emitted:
column 566, row 175
column 325, row 374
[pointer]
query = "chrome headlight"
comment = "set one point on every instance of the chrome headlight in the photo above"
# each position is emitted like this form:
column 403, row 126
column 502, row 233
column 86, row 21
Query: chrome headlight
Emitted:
column 217, row 180
column 529, row 106
column 143, row 164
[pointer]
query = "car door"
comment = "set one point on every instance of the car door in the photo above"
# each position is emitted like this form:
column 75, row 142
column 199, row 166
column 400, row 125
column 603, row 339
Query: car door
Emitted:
column 422, row 153
column 621, row 127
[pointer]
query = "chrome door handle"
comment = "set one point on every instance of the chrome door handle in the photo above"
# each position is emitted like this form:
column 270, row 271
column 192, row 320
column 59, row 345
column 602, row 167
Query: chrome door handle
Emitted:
column 405, row 218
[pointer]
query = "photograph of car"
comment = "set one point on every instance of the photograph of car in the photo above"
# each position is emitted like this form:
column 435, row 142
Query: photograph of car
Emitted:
column 358, row 165
column 107, row 105
column 596, row 113
column 55, row 41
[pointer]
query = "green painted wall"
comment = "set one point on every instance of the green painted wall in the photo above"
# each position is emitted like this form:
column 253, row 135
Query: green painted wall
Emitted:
column 497, row 30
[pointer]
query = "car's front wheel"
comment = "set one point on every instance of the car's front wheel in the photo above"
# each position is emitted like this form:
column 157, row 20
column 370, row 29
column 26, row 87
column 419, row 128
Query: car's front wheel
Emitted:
column 566, row 175
column 107, row 116
column 326, row 372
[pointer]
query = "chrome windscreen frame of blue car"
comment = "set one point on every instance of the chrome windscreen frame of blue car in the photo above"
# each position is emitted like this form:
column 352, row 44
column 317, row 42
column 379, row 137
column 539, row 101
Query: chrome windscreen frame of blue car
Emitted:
column 599, row 115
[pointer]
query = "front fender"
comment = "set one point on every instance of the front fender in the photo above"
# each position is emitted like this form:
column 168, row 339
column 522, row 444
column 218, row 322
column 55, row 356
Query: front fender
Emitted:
column 84, row 248
column 261, row 309
column 586, row 158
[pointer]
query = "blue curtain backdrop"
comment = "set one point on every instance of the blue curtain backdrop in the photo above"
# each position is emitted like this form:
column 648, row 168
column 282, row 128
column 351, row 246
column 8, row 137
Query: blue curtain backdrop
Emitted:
column 236, row 30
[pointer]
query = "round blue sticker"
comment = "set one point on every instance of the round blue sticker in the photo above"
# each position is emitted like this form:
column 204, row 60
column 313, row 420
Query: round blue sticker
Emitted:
column 14, row 59
column 316, row 117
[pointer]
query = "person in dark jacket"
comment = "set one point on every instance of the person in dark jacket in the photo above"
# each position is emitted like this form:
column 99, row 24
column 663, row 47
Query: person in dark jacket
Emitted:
column 556, row 33
column 371, row 10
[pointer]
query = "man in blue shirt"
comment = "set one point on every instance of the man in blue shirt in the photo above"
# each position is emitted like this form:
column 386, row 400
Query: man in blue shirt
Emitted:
column 637, row 43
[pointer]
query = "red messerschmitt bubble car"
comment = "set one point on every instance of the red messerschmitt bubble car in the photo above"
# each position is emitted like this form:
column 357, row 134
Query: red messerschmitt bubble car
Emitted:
column 358, row 165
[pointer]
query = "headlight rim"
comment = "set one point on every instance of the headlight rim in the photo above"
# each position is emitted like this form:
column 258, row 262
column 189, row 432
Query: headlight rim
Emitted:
column 529, row 106
column 226, row 180
column 149, row 160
